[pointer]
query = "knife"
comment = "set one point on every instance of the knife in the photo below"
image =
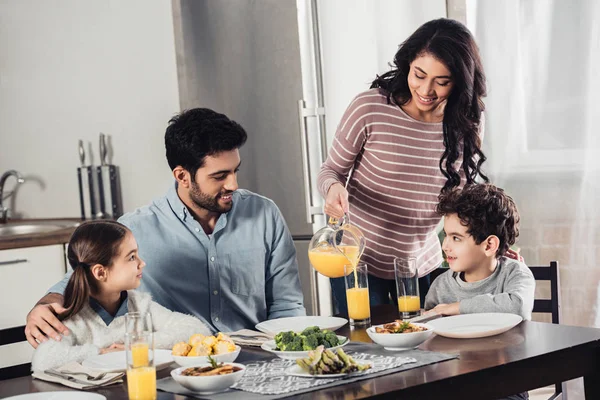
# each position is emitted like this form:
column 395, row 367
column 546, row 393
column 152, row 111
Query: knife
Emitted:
column 108, row 184
column 86, row 186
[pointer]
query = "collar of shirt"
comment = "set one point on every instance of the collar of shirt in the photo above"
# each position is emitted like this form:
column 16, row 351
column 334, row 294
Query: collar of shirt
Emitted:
column 105, row 315
column 183, row 213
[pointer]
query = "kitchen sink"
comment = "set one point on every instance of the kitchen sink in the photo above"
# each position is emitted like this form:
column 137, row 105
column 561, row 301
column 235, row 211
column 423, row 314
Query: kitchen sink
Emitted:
column 31, row 227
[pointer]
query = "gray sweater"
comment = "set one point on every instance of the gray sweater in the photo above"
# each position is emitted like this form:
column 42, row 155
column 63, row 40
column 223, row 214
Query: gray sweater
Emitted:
column 510, row 289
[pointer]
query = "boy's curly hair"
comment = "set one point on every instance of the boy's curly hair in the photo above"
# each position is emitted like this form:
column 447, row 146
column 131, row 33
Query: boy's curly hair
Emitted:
column 485, row 210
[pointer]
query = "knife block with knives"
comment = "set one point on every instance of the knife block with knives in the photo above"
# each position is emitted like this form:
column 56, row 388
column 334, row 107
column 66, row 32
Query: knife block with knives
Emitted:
column 109, row 185
column 99, row 187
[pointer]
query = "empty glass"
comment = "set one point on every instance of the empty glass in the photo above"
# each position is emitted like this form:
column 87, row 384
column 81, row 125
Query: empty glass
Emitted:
column 357, row 294
column 407, row 286
column 139, row 348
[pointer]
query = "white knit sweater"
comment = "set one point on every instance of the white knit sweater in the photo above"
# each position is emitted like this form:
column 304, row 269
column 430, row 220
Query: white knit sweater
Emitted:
column 89, row 333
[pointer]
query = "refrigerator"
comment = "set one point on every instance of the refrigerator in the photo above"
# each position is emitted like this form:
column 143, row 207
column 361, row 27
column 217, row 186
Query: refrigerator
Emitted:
column 261, row 62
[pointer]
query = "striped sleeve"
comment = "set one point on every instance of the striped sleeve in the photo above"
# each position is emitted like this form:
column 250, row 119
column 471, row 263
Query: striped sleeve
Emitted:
column 347, row 144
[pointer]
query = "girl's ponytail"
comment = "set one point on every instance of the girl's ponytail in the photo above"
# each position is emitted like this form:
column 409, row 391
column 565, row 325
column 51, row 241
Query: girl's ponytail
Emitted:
column 77, row 293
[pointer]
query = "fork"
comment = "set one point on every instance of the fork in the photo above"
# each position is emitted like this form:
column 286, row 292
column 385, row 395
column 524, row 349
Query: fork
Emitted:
column 89, row 377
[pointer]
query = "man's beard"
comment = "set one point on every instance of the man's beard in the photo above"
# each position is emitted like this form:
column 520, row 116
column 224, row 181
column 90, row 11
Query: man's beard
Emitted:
column 207, row 202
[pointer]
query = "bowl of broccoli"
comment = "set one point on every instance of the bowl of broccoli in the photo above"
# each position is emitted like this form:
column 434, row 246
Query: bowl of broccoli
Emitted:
column 291, row 345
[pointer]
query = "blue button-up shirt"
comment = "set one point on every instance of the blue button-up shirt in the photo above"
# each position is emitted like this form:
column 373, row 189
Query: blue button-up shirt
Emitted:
column 105, row 315
column 243, row 273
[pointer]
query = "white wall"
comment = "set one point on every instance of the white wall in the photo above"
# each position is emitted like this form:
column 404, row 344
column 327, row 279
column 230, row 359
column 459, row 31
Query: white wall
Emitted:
column 359, row 40
column 70, row 69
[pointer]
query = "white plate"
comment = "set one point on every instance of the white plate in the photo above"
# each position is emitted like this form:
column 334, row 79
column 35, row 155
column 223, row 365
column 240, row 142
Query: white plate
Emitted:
column 296, row 370
column 468, row 326
column 208, row 384
column 116, row 361
column 298, row 324
column 73, row 395
column 293, row 355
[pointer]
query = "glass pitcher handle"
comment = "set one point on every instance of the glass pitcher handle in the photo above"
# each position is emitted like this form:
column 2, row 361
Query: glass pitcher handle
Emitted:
column 337, row 222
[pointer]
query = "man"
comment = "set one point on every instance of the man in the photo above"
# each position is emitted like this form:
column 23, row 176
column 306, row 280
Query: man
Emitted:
column 222, row 254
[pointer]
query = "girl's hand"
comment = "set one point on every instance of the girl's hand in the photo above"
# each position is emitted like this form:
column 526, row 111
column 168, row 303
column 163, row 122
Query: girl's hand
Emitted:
column 336, row 203
column 447, row 309
column 514, row 254
column 112, row 348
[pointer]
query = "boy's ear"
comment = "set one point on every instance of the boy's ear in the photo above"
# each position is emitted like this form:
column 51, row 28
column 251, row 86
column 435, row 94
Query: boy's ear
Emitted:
column 182, row 176
column 99, row 272
column 491, row 245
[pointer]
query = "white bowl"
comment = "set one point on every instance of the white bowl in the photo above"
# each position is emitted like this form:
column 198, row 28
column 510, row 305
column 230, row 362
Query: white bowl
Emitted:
column 208, row 384
column 400, row 341
column 194, row 361
column 270, row 346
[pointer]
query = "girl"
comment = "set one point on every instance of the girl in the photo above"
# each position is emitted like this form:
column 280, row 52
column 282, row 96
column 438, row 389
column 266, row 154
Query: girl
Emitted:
column 106, row 269
column 416, row 133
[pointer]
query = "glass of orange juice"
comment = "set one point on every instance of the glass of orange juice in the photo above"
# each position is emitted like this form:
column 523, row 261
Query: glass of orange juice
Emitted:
column 407, row 286
column 139, row 347
column 357, row 294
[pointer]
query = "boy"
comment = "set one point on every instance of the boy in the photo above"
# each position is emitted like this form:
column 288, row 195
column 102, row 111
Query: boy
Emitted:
column 480, row 222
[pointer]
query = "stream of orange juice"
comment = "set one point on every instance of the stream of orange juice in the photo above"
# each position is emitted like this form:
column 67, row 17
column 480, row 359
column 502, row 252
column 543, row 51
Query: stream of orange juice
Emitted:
column 330, row 262
column 141, row 383
column 139, row 355
column 409, row 303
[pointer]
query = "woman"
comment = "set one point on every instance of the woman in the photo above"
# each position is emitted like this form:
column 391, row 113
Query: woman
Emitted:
column 416, row 133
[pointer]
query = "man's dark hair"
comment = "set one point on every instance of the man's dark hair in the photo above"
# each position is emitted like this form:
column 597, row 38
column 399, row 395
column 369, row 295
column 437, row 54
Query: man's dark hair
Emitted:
column 485, row 210
column 194, row 134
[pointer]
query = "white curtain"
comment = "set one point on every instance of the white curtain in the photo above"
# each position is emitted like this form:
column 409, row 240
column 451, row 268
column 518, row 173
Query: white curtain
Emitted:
column 541, row 59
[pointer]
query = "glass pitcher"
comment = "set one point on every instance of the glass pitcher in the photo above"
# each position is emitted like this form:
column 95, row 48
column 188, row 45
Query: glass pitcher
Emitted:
column 337, row 244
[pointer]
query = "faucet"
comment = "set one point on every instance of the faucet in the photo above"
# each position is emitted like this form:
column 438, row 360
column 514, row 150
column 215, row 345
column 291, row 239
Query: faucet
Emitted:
column 4, row 211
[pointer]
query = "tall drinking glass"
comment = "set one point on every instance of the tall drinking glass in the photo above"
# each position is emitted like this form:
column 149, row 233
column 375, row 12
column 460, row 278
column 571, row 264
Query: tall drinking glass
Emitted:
column 407, row 286
column 139, row 347
column 357, row 294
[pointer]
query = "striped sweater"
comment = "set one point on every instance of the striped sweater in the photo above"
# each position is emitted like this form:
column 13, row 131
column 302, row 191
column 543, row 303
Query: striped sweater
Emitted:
column 390, row 164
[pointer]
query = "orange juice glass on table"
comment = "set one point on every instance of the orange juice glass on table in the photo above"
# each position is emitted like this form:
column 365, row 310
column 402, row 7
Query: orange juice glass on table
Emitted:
column 139, row 347
column 407, row 286
column 357, row 294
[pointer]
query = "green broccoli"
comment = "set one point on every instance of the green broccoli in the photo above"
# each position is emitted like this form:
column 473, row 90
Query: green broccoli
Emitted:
column 282, row 339
column 295, row 345
column 310, row 342
column 320, row 336
column 310, row 330
column 331, row 339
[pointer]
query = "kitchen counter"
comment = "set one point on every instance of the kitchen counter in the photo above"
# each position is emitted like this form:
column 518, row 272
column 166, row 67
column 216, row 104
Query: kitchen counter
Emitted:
column 58, row 236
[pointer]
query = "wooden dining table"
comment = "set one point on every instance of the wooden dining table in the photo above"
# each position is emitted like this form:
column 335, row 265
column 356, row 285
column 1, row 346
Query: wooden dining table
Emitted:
column 529, row 356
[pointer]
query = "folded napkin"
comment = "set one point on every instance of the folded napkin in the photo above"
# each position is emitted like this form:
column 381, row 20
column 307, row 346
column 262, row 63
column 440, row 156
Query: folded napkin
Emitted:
column 73, row 375
column 247, row 337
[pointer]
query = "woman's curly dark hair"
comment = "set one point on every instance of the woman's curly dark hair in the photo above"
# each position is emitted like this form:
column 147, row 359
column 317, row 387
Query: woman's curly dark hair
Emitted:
column 485, row 210
column 450, row 42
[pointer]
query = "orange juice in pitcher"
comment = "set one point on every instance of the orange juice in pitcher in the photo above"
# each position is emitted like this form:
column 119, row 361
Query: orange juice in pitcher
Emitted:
column 334, row 246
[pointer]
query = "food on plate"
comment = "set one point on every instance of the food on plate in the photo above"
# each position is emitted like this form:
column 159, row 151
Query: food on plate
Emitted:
column 200, row 350
column 322, row 361
column 309, row 339
column 195, row 339
column 181, row 349
column 214, row 369
column 223, row 347
column 200, row 345
column 399, row 326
